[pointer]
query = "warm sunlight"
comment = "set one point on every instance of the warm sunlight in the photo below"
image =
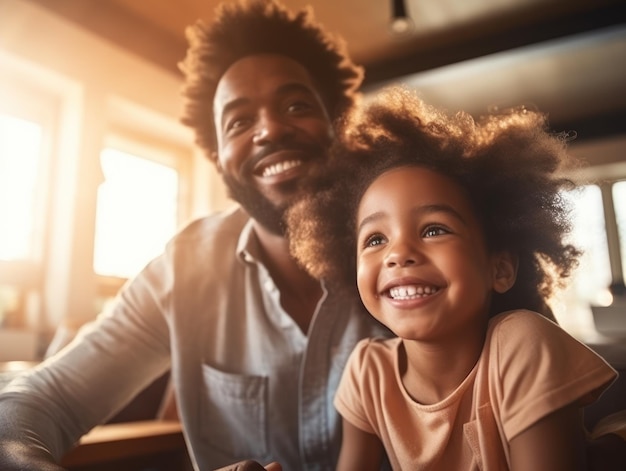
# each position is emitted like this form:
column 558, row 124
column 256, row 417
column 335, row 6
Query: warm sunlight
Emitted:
column 136, row 212
column 619, row 200
column 590, row 281
column 20, row 151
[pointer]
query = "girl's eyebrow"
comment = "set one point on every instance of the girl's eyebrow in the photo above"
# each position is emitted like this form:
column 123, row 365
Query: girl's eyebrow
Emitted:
column 422, row 210
column 370, row 218
column 442, row 208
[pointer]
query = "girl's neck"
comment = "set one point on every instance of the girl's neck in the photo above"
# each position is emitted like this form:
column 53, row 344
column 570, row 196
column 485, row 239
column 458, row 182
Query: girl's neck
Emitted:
column 431, row 371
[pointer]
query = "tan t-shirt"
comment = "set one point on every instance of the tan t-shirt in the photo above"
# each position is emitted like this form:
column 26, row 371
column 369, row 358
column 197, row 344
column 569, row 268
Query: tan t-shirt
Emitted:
column 529, row 367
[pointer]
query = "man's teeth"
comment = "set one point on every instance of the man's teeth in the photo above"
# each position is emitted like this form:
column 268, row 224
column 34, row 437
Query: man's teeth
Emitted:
column 411, row 291
column 280, row 167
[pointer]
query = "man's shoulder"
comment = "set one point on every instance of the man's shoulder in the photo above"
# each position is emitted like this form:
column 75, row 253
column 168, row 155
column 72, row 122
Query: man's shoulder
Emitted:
column 224, row 226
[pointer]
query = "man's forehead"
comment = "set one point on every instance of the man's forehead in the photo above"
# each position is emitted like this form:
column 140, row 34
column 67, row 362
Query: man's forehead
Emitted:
column 256, row 74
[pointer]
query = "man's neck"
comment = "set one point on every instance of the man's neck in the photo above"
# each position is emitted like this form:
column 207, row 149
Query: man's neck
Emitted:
column 299, row 291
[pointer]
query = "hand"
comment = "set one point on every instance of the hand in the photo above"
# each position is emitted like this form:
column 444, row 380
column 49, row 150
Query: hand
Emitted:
column 250, row 465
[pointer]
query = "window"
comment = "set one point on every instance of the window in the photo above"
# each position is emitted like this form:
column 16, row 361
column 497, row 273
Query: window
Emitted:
column 599, row 220
column 619, row 202
column 140, row 205
column 20, row 156
column 26, row 127
column 68, row 106
column 136, row 212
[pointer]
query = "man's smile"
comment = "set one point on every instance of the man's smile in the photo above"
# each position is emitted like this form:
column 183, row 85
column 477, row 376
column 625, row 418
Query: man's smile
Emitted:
column 280, row 167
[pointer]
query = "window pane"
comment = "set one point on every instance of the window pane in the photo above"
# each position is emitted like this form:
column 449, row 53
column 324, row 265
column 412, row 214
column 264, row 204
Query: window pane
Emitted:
column 136, row 212
column 619, row 202
column 590, row 281
column 20, row 151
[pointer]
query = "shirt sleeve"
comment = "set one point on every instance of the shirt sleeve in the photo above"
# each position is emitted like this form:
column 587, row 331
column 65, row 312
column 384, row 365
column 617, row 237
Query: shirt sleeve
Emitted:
column 539, row 368
column 350, row 396
column 101, row 370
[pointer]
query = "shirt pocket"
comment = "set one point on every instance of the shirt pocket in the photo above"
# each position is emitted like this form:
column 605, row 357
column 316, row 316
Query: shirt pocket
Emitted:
column 234, row 413
column 484, row 440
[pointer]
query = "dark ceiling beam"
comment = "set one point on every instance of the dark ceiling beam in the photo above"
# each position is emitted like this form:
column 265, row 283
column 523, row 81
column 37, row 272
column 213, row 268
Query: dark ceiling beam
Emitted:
column 610, row 123
column 481, row 39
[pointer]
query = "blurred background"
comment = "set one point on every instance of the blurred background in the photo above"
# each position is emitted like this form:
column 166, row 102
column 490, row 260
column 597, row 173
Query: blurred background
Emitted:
column 97, row 173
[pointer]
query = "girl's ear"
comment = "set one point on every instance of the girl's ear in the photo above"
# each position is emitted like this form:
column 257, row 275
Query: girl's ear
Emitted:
column 505, row 271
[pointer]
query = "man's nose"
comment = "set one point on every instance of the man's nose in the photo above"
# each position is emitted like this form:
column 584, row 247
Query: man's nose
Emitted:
column 271, row 128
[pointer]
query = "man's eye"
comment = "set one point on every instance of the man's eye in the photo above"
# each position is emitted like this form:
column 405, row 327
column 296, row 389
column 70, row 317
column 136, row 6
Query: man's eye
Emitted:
column 299, row 106
column 237, row 124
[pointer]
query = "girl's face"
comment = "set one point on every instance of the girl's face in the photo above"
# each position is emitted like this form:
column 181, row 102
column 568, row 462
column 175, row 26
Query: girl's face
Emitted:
column 423, row 268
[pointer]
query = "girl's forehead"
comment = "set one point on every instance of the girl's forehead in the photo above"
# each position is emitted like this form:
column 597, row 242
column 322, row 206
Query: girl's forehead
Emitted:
column 409, row 186
column 408, row 177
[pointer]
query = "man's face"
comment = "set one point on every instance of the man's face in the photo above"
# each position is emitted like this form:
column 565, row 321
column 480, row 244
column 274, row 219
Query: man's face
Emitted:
column 271, row 127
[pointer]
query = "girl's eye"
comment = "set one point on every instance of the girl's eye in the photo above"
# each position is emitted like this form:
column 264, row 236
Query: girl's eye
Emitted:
column 374, row 240
column 434, row 231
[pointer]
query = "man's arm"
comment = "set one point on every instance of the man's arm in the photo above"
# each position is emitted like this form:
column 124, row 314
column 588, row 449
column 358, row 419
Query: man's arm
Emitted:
column 44, row 412
column 26, row 457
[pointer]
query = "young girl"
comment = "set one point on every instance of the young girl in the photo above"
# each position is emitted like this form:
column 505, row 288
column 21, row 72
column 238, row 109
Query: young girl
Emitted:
column 455, row 230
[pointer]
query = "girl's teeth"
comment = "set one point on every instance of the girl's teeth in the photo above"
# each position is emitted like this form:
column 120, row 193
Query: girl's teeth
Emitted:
column 411, row 291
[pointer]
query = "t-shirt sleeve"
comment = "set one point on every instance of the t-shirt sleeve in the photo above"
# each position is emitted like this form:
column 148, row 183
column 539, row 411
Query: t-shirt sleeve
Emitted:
column 539, row 368
column 350, row 397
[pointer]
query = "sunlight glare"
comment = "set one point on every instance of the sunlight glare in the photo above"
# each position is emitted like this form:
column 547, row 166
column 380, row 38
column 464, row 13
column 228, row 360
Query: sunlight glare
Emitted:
column 590, row 280
column 20, row 150
column 136, row 212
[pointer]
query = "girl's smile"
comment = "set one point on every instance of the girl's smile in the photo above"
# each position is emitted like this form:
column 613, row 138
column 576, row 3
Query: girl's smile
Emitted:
column 423, row 268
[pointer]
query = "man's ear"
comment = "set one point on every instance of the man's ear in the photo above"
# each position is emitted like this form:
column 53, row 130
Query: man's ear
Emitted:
column 216, row 161
column 505, row 271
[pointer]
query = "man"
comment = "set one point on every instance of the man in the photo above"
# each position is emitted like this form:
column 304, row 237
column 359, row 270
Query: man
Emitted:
column 255, row 345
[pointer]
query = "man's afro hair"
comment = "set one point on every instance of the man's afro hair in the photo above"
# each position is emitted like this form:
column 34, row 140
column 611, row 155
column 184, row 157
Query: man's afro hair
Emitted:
column 247, row 27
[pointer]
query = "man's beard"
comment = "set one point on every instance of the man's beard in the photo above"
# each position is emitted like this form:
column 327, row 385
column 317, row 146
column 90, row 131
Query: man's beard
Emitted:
column 260, row 208
column 257, row 205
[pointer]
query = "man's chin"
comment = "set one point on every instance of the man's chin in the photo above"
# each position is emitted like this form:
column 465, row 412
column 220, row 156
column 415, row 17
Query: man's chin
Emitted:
column 258, row 206
column 270, row 218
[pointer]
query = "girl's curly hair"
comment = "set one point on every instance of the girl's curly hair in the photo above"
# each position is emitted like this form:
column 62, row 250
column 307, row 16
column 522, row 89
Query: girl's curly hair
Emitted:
column 507, row 162
column 247, row 27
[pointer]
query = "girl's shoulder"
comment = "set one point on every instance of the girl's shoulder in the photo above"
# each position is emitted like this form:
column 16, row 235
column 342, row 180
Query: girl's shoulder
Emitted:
column 375, row 353
column 377, row 346
column 521, row 323
column 527, row 341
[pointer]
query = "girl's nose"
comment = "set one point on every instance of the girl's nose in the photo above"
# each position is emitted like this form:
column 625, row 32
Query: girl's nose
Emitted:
column 401, row 254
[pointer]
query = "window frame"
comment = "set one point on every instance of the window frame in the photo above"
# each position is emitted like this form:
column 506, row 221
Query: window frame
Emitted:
column 604, row 177
column 158, row 149
column 21, row 97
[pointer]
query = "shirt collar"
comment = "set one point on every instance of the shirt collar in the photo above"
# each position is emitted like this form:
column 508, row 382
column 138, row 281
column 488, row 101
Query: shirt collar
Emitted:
column 248, row 244
column 248, row 248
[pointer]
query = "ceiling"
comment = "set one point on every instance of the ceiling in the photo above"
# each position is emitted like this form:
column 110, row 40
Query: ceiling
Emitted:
column 568, row 57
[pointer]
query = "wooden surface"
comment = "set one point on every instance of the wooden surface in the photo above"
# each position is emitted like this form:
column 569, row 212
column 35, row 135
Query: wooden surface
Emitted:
column 154, row 445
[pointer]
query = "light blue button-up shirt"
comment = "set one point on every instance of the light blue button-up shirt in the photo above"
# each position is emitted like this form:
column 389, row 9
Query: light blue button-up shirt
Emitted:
column 249, row 383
